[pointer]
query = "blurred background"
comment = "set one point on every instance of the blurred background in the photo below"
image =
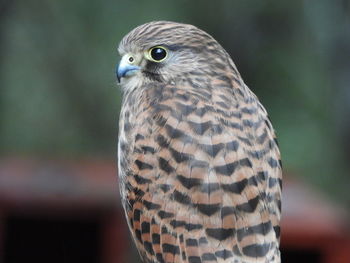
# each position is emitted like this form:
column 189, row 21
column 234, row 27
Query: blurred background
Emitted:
column 59, row 107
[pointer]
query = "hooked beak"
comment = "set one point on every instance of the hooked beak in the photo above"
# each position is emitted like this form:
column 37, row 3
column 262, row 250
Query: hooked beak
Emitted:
column 126, row 68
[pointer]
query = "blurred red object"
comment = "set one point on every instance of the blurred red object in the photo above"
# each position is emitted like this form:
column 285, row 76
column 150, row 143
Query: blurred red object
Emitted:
column 313, row 225
column 73, row 205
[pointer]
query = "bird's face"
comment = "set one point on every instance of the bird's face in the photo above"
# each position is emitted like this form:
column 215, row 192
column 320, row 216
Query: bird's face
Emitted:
column 167, row 52
column 150, row 62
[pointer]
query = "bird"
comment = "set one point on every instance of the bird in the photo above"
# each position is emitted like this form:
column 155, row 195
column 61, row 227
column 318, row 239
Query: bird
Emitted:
column 199, row 165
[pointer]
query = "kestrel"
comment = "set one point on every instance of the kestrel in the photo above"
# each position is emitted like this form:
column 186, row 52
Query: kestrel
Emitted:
column 199, row 165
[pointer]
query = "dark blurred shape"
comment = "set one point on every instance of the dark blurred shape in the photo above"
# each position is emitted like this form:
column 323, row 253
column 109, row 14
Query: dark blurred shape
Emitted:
column 299, row 255
column 50, row 240
column 60, row 211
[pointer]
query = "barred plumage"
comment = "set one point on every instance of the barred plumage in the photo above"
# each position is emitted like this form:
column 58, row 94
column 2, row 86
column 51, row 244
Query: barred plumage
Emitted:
column 199, row 166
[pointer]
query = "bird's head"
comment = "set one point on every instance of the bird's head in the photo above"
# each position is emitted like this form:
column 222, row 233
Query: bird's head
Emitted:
column 168, row 52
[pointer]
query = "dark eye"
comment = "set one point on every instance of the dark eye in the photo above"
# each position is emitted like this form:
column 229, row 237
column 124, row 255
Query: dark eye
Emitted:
column 158, row 54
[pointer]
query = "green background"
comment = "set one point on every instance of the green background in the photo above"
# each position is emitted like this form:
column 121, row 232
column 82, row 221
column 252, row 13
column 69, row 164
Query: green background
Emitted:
column 58, row 92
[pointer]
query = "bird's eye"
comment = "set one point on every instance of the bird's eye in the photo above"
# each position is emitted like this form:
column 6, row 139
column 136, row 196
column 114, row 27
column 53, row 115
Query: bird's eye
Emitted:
column 158, row 54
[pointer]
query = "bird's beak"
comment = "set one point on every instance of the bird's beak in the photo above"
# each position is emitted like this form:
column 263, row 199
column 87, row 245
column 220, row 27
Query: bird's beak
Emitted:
column 126, row 68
